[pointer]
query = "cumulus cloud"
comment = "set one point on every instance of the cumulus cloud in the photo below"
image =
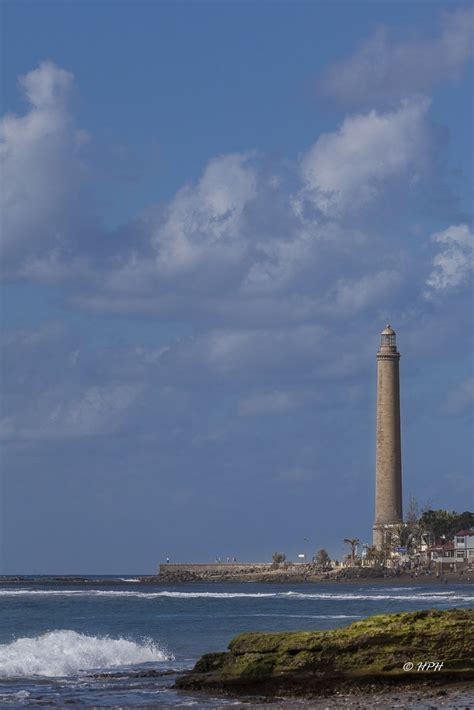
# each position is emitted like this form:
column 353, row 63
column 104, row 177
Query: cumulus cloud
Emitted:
column 42, row 173
column 348, row 168
column 48, row 86
column 235, row 248
column 453, row 263
column 241, row 246
column 382, row 71
column 205, row 221
column 263, row 261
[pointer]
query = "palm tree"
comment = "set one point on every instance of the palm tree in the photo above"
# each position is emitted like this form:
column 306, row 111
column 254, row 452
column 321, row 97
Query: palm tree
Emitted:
column 372, row 555
column 353, row 542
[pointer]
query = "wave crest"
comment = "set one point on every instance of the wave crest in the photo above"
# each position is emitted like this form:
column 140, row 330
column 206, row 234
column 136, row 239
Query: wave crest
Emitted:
column 66, row 653
column 443, row 596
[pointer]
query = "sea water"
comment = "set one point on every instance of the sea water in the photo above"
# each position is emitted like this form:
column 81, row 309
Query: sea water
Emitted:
column 122, row 645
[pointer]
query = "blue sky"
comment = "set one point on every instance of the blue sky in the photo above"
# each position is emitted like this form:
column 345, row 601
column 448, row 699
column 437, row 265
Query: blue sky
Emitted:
column 210, row 211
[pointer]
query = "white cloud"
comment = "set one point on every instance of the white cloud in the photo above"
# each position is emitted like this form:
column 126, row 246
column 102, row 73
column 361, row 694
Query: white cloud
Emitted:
column 48, row 87
column 204, row 222
column 453, row 264
column 381, row 71
column 239, row 250
column 42, row 174
column 348, row 168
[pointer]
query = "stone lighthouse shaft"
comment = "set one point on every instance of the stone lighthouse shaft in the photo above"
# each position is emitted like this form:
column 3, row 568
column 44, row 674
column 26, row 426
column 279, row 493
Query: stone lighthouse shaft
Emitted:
column 388, row 471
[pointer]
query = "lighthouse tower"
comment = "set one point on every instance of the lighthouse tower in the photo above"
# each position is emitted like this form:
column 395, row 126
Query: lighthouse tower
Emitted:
column 388, row 472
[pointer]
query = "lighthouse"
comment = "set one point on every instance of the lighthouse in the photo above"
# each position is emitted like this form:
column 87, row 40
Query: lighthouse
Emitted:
column 388, row 469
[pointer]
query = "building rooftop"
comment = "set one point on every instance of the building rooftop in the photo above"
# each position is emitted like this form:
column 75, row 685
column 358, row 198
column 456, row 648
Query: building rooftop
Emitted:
column 447, row 546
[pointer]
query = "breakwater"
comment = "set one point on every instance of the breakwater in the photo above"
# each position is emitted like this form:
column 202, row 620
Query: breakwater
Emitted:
column 221, row 571
column 256, row 572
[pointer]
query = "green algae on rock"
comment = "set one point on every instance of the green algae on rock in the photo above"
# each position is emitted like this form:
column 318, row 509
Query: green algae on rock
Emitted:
column 373, row 650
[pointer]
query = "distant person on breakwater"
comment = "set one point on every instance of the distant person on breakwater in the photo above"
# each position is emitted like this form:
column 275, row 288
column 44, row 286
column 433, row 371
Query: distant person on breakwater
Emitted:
column 167, row 560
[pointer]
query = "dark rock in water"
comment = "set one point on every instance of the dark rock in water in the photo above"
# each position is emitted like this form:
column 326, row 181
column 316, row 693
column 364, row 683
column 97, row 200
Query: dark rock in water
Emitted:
column 374, row 651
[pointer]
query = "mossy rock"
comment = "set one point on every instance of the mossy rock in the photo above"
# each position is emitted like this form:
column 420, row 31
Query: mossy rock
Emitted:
column 372, row 650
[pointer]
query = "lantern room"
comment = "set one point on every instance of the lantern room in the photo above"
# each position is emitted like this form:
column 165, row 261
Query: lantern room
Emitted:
column 388, row 339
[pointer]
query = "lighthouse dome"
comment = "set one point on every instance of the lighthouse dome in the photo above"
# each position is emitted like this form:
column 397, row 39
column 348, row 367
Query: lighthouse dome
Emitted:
column 388, row 339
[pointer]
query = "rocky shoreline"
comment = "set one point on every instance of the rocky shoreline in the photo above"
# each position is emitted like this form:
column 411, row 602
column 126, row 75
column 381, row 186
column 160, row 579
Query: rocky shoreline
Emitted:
column 298, row 574
column 379, row 654
column 249, row 573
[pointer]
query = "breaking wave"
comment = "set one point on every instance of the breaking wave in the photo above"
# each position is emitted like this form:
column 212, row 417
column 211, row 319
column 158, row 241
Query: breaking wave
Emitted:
column 441, row 596
column 66, row 653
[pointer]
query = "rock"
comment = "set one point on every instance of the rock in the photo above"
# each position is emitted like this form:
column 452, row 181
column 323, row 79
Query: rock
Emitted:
column 261, row 573
column 370, row 651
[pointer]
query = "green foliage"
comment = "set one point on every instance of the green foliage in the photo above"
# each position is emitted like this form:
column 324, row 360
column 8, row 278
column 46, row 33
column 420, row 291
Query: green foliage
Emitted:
column 278, row 557
column 322, row 558
column 374, row 556
column 442, row 525
column 353, row 542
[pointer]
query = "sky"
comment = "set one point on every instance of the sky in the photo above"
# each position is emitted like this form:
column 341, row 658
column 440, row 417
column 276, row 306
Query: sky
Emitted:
column 209, row 212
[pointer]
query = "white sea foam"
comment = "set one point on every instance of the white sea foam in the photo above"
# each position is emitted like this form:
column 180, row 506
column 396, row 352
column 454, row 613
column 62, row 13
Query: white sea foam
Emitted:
column 441, row 596
column 310, row 616
column 422, row 596
column 66, row 653
column 128, row 593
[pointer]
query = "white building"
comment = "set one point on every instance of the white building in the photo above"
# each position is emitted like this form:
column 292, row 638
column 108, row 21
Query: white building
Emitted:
column 443, row 556
column 464, row 546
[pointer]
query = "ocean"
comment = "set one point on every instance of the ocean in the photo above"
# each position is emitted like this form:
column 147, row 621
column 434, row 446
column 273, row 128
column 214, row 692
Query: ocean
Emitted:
column 121, row 645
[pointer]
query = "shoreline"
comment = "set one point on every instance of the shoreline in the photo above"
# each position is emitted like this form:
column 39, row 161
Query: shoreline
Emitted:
column 288, row 579
column 280, row 578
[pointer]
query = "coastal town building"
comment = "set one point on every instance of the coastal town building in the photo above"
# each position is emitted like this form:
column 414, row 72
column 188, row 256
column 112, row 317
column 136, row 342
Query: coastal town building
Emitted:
column 441, row 557
column 464, row 546
column 453, row 555
column 388, row 471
